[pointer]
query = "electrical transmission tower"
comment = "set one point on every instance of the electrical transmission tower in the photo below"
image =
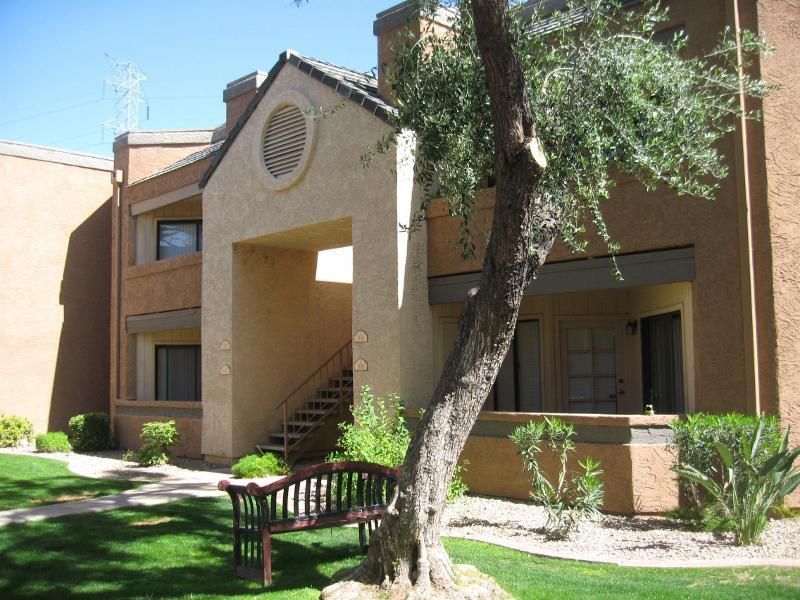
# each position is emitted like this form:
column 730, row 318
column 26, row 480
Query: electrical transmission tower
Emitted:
column 126, row 84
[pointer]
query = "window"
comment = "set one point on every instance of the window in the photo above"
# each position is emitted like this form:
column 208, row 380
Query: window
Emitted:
column 176, row 238
column 518, row 387
column 178, row 373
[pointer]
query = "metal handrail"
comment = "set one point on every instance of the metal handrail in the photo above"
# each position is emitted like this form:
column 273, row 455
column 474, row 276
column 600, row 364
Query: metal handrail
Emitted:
column 336, row 363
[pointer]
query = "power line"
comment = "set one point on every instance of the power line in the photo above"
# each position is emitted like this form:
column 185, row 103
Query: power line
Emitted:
column 51, row 112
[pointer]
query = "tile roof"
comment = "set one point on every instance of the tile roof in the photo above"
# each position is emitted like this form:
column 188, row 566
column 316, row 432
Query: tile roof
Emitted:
column 361, row 88
column 192, row 158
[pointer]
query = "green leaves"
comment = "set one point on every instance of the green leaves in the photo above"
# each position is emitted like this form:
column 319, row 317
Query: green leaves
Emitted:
column 745, row 492
column 606, row 97
column 572, row 496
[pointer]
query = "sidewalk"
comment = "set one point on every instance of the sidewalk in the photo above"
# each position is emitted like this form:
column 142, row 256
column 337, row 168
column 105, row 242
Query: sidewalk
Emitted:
column 175, row 484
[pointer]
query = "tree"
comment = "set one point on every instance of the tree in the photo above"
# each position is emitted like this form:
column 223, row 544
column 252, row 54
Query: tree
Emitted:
column 551, row 109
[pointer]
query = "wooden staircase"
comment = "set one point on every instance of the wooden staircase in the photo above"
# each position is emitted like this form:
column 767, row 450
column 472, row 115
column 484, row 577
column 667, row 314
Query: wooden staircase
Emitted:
column 324, row 394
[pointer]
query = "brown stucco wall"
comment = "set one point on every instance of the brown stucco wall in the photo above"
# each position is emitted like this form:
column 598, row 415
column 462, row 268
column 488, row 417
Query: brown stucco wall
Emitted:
column 636, row 476
column 164, row 285
column 54, row 302
column 640, row 221
column 779, row 20
column 128, row 427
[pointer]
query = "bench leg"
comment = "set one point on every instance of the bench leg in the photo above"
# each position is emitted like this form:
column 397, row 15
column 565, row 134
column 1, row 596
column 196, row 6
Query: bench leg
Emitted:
column 362, row 538
column 266, row 548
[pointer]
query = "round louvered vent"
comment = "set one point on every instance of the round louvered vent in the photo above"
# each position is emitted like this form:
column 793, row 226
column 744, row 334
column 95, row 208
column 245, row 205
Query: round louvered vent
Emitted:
column 284, row 141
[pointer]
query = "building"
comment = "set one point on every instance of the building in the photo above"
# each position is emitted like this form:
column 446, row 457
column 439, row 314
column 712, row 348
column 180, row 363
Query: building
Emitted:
column 55, row 226
column 220, row 320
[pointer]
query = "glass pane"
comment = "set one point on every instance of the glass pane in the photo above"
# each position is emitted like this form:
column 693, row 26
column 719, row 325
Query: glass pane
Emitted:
column 178, row 373
column 604, row 363
column 605, row 389
column 580, row 407
column 504, row 384
column 528, row 372
column 579, row 363
column 580, row 388
column 177, row 238
column 579, row 339
column 603, row 338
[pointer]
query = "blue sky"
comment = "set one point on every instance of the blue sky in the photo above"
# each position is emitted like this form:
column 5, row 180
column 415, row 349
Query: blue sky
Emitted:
column 53, row 63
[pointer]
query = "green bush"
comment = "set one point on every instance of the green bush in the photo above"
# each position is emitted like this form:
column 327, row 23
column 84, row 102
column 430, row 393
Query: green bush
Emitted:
column 13, row 430
column 157, row 438
column 91, row 432
column 747, row 490
column 378, row 434
column 574, row 495
column 55, row 441
column 694, row 442
column 259, row 465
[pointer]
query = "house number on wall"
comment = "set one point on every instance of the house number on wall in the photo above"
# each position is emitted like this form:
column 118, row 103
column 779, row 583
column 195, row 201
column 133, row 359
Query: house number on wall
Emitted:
column 225, row 370
column 360, row 365
column 360, row 337
column 225, row 345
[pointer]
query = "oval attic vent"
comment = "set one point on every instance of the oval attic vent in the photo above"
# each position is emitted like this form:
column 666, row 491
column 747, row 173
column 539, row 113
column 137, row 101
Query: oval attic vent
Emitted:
column 284, row 141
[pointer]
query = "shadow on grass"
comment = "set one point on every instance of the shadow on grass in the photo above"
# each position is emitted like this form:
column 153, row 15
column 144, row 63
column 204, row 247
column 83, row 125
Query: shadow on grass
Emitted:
column 173, row 550
column 40, row 490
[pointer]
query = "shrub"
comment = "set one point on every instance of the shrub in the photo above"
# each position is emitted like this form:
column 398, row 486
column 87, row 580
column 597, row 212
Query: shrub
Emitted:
column 694, row 442
column 575, row 495
column 91, row 432
column 378, row 434
column 55, row 441
column 259, row 465
column 748, row 491
column 157, row 438
column 13, row 430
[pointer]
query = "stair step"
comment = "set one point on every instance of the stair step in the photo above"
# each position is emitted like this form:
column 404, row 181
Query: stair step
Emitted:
column 291, row 435
column 309, row 423
column 335, row 390
column 311, row 411
column 271, row 448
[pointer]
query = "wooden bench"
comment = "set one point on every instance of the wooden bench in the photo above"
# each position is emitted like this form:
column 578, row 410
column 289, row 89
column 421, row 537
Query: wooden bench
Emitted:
column 319, row 496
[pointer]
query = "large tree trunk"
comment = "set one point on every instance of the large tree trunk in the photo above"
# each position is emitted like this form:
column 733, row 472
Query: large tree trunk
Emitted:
column 407, row 554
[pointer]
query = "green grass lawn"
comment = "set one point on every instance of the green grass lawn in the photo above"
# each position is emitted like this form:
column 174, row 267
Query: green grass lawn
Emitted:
column 27, row 481
column 182, row 550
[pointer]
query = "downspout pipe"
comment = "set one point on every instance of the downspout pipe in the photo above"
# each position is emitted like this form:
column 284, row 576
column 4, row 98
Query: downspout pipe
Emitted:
column 748, row 206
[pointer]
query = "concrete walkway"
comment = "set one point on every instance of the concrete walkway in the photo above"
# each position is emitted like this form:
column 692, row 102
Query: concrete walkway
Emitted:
column 169, row 488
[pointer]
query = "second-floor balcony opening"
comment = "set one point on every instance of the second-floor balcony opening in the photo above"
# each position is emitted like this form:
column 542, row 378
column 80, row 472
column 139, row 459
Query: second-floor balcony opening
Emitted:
column 177, row 238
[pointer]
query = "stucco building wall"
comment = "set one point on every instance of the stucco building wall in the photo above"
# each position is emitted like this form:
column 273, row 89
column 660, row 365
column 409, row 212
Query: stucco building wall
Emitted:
column 54, row 302
column 336, row 203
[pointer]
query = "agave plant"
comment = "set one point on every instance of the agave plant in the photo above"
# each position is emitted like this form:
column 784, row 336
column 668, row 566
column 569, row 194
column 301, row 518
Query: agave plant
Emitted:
column 745, row 492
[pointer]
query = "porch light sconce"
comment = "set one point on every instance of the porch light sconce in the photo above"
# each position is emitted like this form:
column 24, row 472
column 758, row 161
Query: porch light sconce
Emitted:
column 630, row 327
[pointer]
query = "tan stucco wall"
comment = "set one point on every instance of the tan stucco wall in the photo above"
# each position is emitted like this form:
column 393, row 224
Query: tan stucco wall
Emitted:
column 637, row 477
column 285, row 326
column 54, row 301
column 238, row 207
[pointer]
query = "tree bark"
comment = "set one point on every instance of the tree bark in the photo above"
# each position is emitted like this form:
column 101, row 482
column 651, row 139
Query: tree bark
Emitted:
column 406, row 554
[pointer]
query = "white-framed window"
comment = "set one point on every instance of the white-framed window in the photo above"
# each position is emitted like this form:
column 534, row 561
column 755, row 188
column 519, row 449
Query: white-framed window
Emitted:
column 178, row 237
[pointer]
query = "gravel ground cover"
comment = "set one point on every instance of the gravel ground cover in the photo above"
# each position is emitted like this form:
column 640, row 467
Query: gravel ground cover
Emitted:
column 638, row 540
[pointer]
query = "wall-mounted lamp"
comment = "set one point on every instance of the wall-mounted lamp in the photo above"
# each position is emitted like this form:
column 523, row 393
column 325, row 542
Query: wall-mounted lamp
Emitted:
column 630, row 327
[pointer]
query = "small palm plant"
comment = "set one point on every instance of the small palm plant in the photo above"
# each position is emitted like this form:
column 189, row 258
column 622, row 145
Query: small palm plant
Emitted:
column 745, row 493
column 573, row 496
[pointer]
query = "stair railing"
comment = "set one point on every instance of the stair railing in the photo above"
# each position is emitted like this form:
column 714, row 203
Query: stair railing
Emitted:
column 332, row 368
